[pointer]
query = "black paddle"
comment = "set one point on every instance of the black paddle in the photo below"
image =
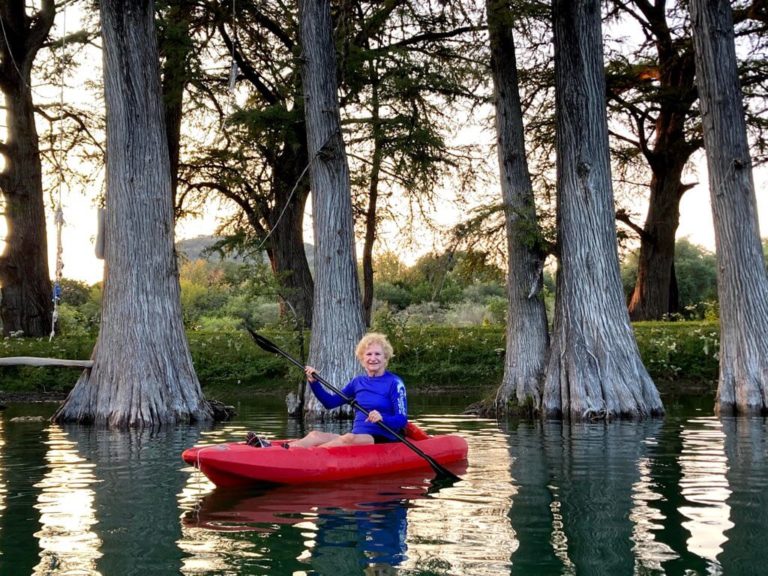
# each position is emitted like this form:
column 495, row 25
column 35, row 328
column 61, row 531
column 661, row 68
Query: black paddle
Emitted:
column 267, row 345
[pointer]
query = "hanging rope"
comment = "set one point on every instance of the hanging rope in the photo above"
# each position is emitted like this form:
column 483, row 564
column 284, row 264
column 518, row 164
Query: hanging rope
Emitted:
column 59, row 215
column 321, row 150
column 233, row 70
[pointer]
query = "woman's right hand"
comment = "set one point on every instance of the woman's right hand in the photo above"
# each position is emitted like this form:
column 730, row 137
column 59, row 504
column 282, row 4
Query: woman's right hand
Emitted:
column 309, row 371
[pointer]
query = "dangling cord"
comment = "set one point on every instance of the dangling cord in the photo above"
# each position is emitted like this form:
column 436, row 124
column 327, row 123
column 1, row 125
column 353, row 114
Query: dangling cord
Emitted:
column 59, row 215
column 233, row 70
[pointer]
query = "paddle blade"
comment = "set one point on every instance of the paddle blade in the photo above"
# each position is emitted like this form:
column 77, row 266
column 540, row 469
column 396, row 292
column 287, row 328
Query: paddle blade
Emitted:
column 263, row 342
column 445, row 478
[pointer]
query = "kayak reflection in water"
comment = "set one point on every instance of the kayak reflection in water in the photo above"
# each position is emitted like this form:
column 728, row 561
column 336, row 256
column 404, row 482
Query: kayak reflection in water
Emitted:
column 378, row 391
column 374, row 539
column 355, row 526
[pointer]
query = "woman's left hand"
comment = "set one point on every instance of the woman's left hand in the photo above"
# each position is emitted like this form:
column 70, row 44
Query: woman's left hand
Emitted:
column 374, row 416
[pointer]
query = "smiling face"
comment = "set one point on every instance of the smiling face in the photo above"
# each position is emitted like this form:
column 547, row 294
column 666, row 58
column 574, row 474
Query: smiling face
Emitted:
column 374, row 359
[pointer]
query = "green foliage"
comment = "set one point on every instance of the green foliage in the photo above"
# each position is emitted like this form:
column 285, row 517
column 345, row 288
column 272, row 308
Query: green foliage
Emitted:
column 673, row 351
column 440, row 287
column 220, row 295
column 394, row 295
column 439, row 358
column 467, row 360
column 74, row 292
column 231, row 359
column 80, row 309
column 696, row 271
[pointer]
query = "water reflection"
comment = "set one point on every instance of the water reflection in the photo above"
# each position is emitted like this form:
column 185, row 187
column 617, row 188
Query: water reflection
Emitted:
column 746, row 448
column 139, row 477
column 592, row 469
column 535, row 513
column 465, row 529
column 686, row 495
column 650, row 553
column 356, row 523
column 68, row 545
column 705, row 489
column 681, row 503
column 23, row 465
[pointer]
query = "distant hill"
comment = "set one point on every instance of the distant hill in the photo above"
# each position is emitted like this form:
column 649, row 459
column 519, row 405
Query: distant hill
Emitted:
column 196, row 249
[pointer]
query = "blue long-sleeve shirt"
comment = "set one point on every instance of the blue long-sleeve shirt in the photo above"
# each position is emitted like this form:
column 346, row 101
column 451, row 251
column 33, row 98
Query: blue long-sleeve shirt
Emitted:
column 385, row 393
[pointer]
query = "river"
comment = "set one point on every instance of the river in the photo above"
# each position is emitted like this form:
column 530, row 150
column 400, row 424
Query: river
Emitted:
column 684, row 495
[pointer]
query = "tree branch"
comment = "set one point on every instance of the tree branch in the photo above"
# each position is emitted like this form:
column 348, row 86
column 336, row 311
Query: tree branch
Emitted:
column 623, row 216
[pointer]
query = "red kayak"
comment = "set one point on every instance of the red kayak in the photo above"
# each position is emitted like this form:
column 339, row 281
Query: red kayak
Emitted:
column 237, row 464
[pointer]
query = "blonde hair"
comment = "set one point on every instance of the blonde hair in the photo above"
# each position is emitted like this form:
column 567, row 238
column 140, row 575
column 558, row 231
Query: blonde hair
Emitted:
column 374, row 338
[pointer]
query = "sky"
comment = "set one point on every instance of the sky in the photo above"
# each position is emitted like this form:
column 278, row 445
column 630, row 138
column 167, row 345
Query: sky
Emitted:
column 79, row 232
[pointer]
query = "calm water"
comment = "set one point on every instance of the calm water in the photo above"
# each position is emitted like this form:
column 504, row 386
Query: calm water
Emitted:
column 687, row 495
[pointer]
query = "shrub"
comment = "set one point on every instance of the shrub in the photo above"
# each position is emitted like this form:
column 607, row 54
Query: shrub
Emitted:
column 467, row 360
column 679, row 350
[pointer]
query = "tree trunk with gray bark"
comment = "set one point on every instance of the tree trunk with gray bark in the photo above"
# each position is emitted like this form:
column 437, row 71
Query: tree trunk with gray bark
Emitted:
column 741, row 276
column 26, row 304
column 594, row 368
column 527, row 339
column 142, row 370
column 337, row 320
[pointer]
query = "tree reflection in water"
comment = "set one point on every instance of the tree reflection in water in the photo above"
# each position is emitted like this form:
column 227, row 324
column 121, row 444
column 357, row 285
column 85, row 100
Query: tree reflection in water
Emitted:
column 746, row 449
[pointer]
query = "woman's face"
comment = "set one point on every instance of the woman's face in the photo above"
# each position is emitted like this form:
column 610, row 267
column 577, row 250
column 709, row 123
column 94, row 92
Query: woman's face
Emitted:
column 374, row 360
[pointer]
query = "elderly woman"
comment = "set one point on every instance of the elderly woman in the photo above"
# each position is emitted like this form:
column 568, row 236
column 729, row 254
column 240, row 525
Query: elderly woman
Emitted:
column 378, row 391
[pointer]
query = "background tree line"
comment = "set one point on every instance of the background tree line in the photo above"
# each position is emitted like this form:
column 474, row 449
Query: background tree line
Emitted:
column 456, row 289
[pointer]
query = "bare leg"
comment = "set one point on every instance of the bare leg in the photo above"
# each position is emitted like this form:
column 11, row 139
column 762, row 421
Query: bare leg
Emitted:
column 350, row 440
column 314, row 438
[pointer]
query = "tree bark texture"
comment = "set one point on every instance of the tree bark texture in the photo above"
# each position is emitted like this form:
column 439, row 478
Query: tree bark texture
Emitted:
column 527, row 339
column 741, row 276
column 337, row 320
column 25, row 284
column 594, row 368
column 286, row 223
column 655, row 292
column 142, row 372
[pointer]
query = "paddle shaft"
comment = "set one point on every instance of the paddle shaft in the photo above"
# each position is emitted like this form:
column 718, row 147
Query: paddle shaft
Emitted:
column 271, row 347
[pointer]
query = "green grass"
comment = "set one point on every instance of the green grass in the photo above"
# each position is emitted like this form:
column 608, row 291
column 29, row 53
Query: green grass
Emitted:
column 431, row 359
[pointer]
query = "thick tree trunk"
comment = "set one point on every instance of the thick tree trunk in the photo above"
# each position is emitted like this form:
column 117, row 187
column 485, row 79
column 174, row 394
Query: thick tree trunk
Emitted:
column 25, row 284
column 337, row 321
column 287, row 254
column 741, row 276
column 527, row 338
column 142, row 372
column 655, row 294
column 594, row 369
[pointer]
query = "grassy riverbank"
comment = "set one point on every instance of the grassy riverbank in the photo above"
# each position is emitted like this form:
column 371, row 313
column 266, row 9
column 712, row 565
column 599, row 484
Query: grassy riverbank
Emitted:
column 431, row 359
